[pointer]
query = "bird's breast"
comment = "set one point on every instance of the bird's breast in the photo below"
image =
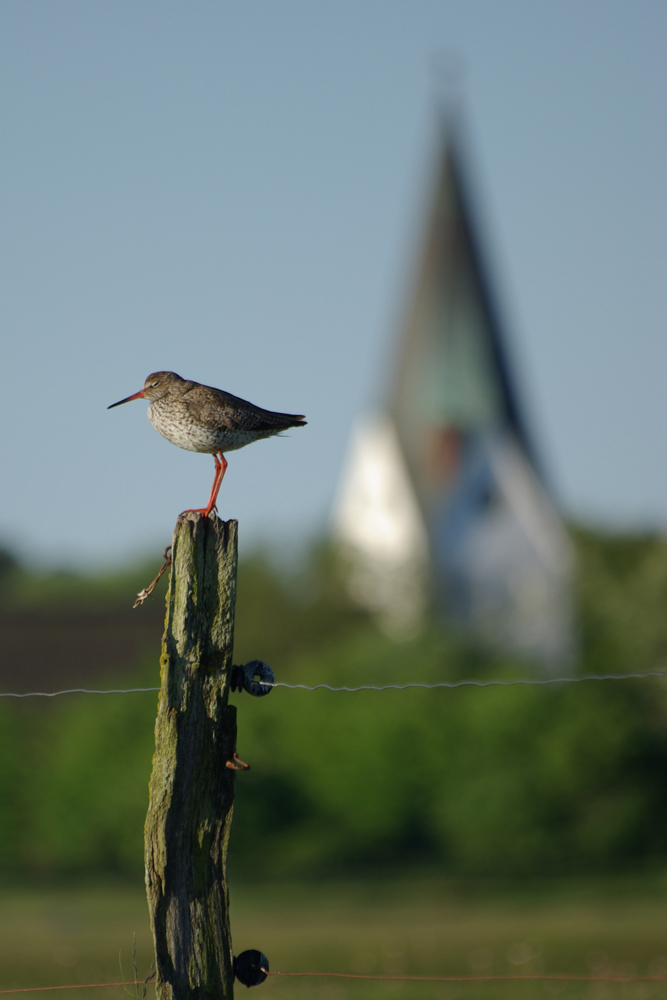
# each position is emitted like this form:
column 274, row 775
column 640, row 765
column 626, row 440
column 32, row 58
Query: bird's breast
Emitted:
column 175, row 423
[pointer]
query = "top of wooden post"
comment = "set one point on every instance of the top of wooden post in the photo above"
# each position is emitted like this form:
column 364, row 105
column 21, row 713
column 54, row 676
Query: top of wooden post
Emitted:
column 202, row 593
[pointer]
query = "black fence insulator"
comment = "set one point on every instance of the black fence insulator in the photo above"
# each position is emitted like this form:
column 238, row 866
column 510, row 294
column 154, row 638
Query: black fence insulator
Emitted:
column 256, row 678
column 251, row 967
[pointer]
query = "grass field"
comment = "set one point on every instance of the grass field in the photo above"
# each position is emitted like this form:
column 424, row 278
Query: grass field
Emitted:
column 422, row 926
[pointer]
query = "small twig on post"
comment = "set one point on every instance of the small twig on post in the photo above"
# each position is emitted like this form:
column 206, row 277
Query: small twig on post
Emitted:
column 236, row 764
column 192, row 788
column 147, row 591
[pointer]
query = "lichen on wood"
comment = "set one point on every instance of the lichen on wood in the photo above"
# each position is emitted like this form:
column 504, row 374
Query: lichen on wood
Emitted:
column 191, row 790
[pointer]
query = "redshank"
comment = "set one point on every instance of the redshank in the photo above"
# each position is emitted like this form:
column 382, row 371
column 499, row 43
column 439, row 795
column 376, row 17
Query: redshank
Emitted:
column 199, row 418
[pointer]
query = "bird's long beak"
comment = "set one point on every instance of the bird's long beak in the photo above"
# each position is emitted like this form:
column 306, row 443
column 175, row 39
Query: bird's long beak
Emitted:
column 137, row 395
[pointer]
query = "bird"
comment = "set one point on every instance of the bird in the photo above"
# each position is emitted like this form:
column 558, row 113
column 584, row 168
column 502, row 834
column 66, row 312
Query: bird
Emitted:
column 200, row 418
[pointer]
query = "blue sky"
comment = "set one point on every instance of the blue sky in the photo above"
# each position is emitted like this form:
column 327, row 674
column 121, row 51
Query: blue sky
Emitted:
column 235, row 191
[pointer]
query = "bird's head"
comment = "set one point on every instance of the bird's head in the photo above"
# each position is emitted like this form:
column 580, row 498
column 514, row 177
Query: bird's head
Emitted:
column 157, row 386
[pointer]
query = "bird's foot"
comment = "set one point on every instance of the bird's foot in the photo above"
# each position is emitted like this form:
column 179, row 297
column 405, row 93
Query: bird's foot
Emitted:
column 204, row 511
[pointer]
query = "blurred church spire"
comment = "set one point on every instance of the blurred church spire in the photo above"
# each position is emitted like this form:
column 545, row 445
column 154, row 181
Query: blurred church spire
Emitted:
column 441, row 503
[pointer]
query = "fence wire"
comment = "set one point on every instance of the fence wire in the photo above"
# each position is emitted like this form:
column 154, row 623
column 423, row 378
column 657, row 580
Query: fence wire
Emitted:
column 541, row 977
column 512, row 682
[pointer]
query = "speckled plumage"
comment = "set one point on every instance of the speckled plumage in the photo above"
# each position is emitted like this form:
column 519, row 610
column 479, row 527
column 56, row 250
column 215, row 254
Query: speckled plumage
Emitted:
column 199, row 418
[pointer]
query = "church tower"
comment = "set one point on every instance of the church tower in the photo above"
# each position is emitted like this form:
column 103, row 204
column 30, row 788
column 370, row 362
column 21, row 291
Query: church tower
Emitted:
column 442, row 502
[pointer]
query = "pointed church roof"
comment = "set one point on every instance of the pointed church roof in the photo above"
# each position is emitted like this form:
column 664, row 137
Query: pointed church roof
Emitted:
column 452, row 371
column 442, row 486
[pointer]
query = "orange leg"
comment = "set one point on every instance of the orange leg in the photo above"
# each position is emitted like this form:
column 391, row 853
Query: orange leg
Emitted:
column 220, row 469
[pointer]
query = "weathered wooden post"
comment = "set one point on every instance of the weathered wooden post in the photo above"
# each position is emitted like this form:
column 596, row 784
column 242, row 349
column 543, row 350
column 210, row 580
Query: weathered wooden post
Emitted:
column 192, row 789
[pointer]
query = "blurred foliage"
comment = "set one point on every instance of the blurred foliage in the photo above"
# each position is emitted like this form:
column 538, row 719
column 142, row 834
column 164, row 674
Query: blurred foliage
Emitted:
column 622, row 583
column 494, row 782
column 22, row 589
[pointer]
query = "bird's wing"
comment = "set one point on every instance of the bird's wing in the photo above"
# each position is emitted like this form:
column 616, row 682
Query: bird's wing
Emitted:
column 235, row 414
